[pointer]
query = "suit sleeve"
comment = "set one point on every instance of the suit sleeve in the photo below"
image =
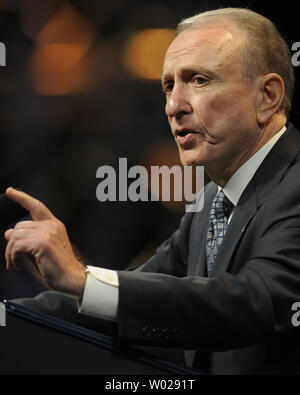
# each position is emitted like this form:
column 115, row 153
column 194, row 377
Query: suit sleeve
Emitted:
column 229, row 311
column 171, row 256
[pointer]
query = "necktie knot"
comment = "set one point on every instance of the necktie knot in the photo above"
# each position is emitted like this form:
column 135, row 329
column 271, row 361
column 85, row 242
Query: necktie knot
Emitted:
column 221, row 206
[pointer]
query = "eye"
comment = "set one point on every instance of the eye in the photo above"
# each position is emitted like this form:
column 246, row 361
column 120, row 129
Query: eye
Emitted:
column 198, row 80
column 168, row 86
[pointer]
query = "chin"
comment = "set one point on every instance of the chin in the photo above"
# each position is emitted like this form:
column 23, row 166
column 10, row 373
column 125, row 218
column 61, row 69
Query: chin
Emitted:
column 191, row 159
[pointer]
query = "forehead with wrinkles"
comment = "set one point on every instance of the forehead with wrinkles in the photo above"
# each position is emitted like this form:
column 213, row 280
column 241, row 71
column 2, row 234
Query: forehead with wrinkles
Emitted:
column 214, row 45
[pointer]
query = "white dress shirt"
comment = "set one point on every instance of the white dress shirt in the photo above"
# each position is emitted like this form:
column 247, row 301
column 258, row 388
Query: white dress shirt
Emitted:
column 101, row 292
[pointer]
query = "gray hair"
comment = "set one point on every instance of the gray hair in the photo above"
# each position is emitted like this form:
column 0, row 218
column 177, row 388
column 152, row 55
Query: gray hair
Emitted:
column 265, row 50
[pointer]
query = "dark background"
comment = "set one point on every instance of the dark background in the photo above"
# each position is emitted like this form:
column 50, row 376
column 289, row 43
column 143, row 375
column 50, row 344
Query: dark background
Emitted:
column 62, row 118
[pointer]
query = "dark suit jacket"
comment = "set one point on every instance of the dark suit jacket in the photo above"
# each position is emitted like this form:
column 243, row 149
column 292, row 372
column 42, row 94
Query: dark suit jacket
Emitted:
column 239, row 319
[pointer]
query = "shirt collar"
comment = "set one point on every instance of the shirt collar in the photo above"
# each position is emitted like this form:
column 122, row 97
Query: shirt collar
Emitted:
column 241, row 178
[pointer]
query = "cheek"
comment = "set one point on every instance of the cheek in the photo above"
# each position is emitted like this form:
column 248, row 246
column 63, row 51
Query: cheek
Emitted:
column 219, row 110
column 223, row 108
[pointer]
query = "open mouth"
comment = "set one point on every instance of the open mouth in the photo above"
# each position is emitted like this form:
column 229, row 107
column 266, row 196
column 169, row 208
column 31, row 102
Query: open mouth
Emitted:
column 184, row 133
column 186, row 138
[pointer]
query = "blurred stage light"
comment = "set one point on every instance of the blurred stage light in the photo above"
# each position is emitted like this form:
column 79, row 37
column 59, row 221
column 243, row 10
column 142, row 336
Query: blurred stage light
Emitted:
column 55, row 21
column 59, row 65
column 67, row 25
column 58, row 69
column 145, row 52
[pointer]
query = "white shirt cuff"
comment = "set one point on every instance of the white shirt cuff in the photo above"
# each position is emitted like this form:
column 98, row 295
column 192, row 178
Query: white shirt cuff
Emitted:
column 101, row 294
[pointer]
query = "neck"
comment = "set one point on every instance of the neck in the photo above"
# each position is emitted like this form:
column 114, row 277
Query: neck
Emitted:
column 268, row 130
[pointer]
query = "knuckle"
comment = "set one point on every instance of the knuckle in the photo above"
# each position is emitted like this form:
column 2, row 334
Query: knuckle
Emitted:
column 52, row 227
column 39, row 206
column 58, row 225
column 17, row 226
column 13, row 236
column 41, row 245
column 19, row 246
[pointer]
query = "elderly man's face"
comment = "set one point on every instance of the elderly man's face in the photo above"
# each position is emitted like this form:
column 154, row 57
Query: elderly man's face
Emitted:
column 211, row 106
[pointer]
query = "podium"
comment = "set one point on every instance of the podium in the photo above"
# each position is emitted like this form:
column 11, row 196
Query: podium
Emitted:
column 35, row 343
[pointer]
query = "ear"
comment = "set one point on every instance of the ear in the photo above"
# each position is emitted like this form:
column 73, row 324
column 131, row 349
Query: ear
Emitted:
column 272, row 92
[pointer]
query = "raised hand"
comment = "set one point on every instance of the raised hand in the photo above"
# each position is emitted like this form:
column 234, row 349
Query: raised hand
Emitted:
column 45, row 242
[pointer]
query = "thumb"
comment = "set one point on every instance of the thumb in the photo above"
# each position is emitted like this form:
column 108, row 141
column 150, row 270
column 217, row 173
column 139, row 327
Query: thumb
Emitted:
column 36, row 209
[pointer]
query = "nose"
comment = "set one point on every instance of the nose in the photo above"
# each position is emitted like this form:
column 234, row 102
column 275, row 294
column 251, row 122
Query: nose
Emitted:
column 178, row 103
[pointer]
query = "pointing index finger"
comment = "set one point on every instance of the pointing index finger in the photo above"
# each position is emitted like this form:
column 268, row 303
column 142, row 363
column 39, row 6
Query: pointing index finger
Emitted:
column 36, row 209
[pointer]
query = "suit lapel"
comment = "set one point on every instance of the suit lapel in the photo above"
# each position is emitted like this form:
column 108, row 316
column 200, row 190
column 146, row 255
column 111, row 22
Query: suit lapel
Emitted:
column 273, row 169
column 265, row 180
column 243, row 213
column 197, row 258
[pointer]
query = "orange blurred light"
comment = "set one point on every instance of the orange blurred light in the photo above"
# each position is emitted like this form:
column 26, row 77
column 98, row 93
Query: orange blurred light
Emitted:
column 67, row 25
column 55, row 21
column 58, row 69
column 59, row 63
column 145, row 52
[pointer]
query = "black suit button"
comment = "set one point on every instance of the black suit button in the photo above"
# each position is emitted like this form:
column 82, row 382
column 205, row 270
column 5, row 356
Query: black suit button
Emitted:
column 146, row 331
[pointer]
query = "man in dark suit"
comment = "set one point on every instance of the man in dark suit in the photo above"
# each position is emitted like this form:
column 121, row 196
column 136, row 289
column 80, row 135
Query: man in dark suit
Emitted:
column 222, row 287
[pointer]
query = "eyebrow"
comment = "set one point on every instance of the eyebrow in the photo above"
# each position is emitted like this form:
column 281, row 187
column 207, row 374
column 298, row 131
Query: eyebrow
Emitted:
column 190, row 70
